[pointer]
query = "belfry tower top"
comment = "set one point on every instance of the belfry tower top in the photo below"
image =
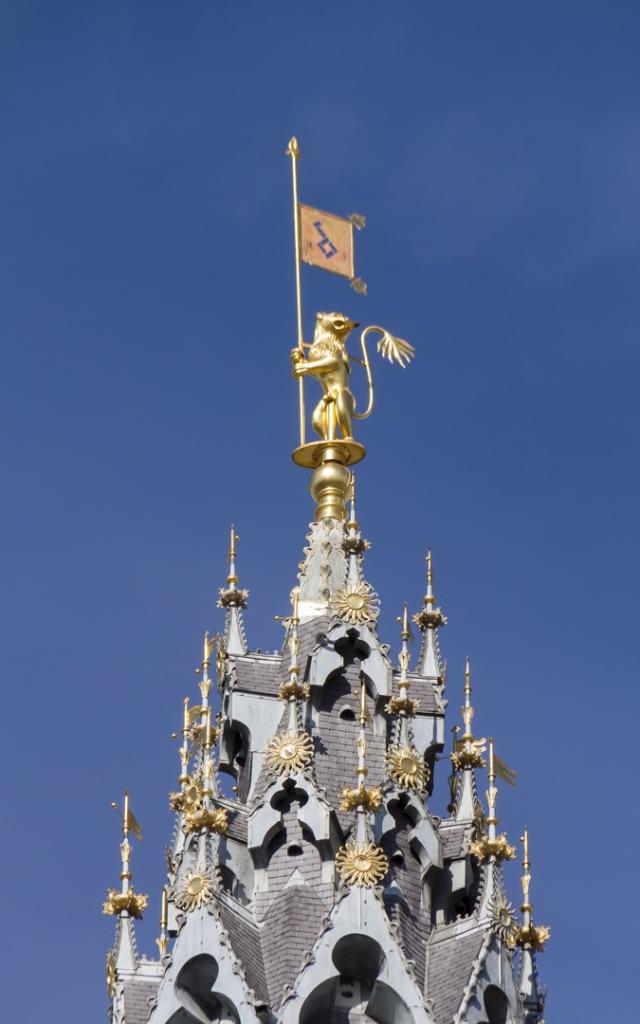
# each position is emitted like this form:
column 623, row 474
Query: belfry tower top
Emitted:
column 310, row 878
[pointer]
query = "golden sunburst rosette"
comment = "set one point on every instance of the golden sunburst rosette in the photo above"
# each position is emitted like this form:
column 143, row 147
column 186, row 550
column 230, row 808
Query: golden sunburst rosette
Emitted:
column 406, row 768
column 195, row 892
column 356, row 604
column 503, row 921
column 362, row 864
column 289, row 753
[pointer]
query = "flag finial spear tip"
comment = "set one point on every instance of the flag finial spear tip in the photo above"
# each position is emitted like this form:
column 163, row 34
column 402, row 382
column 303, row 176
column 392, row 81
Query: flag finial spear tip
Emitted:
column 293, row 149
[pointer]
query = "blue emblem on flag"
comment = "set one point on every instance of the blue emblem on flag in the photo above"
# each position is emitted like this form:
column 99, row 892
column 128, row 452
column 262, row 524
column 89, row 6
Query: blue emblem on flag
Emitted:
column 326, row 246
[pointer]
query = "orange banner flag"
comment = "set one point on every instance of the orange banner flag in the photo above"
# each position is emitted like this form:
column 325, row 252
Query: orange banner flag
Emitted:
column 326, row 241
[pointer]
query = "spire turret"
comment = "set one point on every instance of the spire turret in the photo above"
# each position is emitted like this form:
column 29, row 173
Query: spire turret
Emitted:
column 125, row 902
column 234, row 599
column 531, row 940
column 429, row 620
column 291, row 749
column 198, row 787
column 465, row 758
column 491, row 845
column 405, row 766
column 360, row 862
column 354, row 544
column 529, row 935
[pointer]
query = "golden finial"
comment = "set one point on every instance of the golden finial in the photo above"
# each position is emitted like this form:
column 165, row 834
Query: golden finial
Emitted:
column 405, row 633
column 467, row 752
column 527, row 934
column 232, row 579
column 126, row 900
column 492, row 845
column 292, row 689
column 293, row 641
column 184, row 748
column 430, row 616
column 360, row 862
column 403, row 704
column 290, row 751
column 526, row 867
column 327, row 360
column 364, row 714
column 232, row 595
column 196, row 798
column 362, row 797
column 162, row 942
column 205, row 683
column 404, row 764
column 353, row 521
column 353, row 543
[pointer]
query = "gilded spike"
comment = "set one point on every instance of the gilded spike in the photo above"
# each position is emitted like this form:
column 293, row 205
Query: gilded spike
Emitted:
column 403, row 704
column 162, row 942
column 491, row 845
column 467, row 751
column 232, row 596
column 527, row 934
column 126, row 901
column 362, row 797
column 290, row 751
column 430, row 616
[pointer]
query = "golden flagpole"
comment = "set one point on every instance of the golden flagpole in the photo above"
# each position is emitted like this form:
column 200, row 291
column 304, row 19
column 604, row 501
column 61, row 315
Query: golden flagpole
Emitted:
column 293, row 151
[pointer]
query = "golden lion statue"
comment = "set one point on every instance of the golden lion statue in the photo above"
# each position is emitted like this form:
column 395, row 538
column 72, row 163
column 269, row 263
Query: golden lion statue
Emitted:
column 329, row 362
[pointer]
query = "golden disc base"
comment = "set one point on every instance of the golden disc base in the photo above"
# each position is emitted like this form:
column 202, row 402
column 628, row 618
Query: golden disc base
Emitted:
column 311, row 455
column 330, row 478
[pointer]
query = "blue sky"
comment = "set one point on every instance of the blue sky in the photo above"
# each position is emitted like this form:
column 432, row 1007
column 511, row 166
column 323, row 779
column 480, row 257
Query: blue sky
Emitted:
column 147, row 316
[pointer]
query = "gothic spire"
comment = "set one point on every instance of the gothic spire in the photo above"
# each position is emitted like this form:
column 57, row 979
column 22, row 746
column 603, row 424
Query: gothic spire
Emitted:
column 195, row 801
column 234, row 599
column 125, row 904
column 405, row 766
column 531, row 939
column 360, row 862
column 429, row 619
column 466, row 757
column 291, row 749
column 354, row 544
column 491, row 846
